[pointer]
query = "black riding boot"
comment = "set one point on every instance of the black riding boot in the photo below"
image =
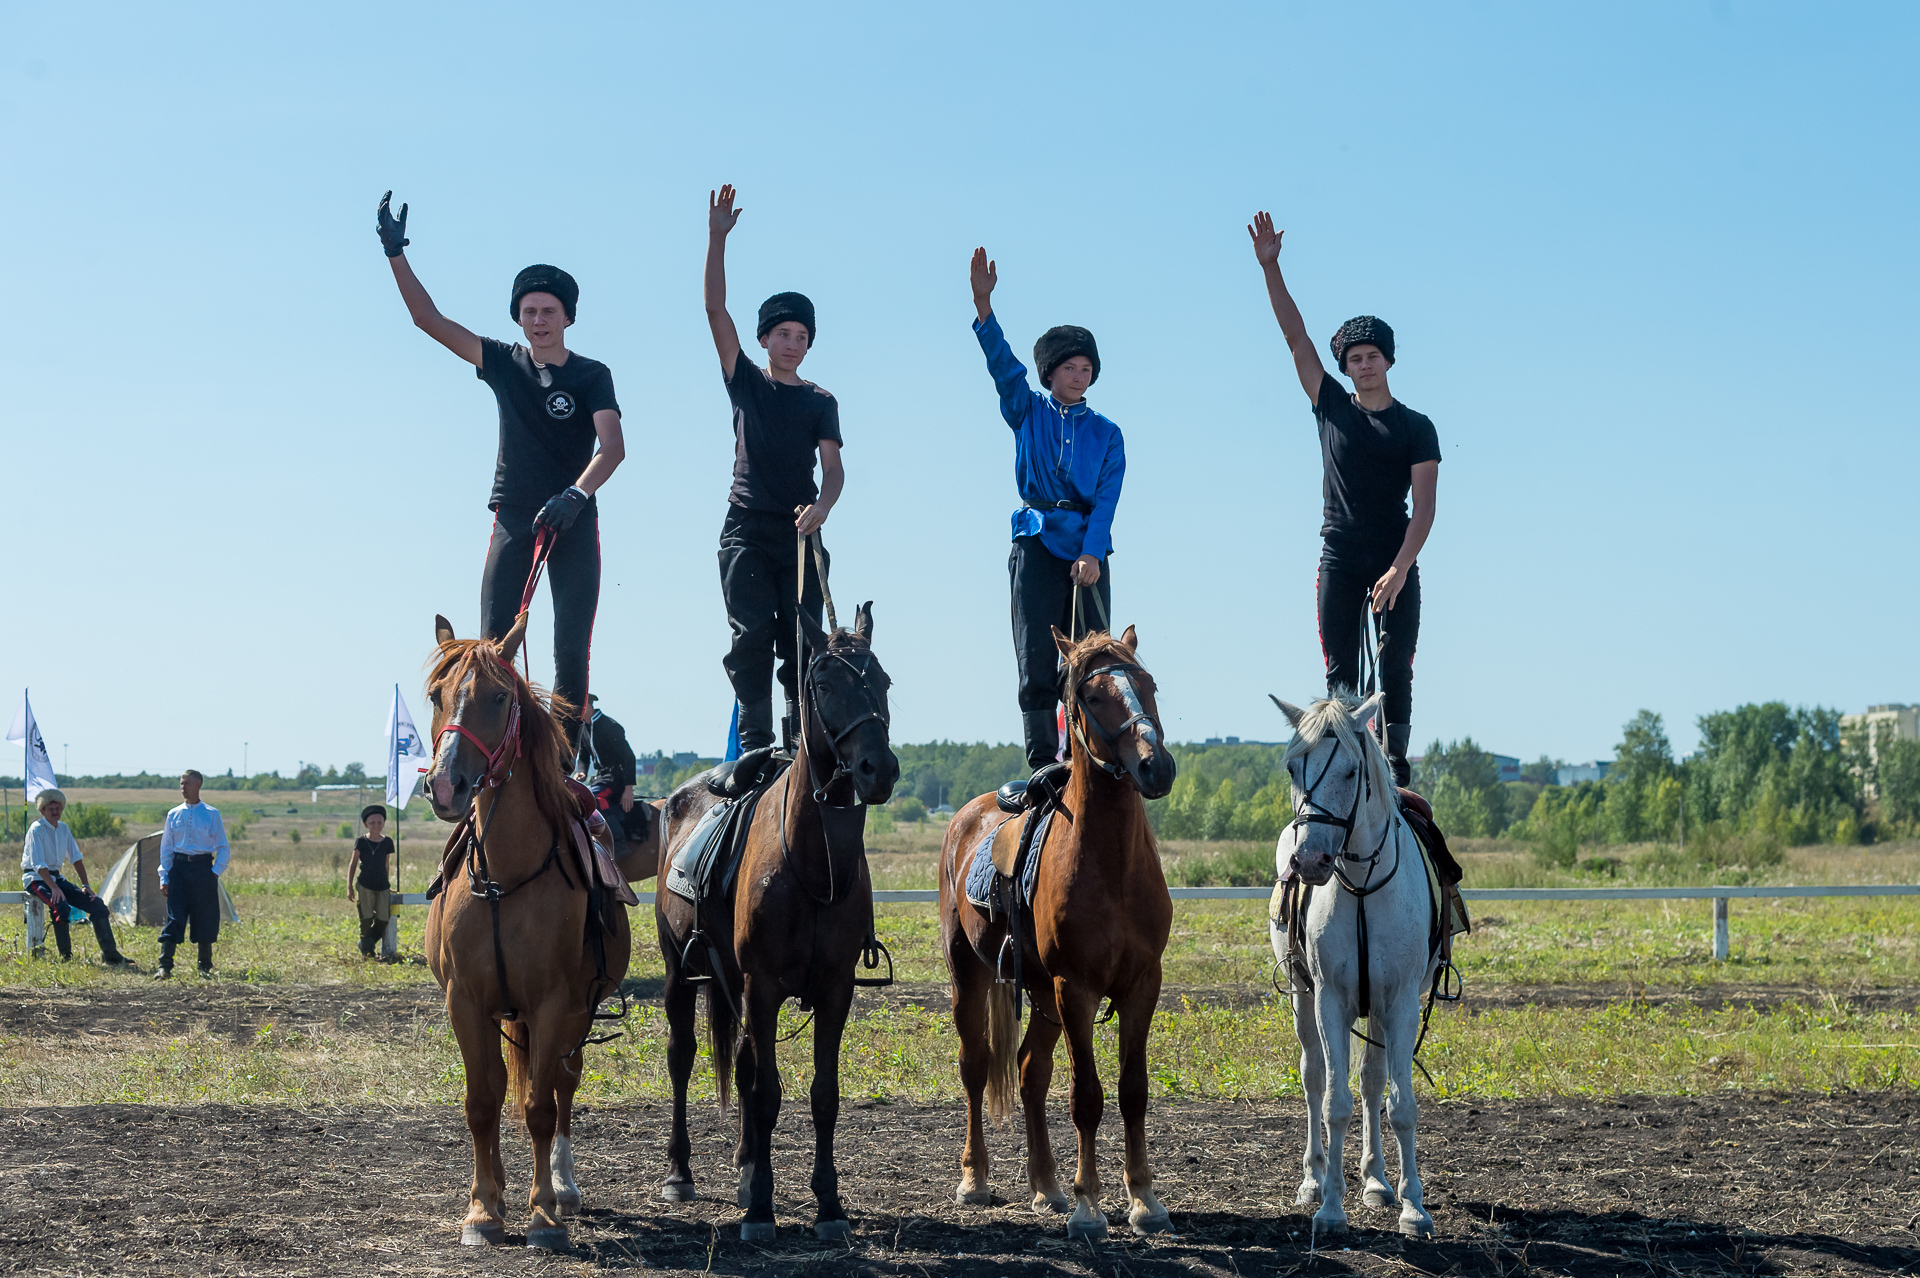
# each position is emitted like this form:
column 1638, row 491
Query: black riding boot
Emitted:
column 369, row 932
column 756, row 725
column 165, row 969
column 63, row 938
column 1397, row 734
column 790, row 726
column 206, row 958
column 1042, row 736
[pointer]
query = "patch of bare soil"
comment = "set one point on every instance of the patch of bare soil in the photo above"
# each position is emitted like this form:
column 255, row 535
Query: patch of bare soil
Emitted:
column 1732, row 1185
column 222, row 1007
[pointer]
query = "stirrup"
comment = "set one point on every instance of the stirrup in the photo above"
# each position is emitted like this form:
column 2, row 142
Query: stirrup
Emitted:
column 870, row 955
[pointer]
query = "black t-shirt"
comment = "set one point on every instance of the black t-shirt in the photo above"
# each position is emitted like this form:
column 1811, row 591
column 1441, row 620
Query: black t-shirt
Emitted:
column 606, row 743
column 373, row 859
column 1368, row 459
column 777, row 429
column 546, row 421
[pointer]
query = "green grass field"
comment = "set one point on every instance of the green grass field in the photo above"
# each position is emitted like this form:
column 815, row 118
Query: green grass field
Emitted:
column 1563, row 998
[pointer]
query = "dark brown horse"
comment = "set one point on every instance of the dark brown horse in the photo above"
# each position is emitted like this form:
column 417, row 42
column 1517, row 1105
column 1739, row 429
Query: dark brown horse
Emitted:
column 793, row 925
column 1098, row 925
column 511, row 937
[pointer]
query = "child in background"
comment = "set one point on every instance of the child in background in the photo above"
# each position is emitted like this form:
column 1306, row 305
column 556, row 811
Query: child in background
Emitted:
column 372, row 889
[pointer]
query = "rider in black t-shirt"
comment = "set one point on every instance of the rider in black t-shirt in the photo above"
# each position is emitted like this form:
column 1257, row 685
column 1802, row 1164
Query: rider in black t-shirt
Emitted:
column 1373, row 450
column 779, row 422
column 555, row 406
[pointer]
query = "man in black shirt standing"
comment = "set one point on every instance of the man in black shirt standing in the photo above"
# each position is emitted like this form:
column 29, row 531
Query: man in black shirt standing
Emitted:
column 555, row 406
column 1373, row 450
column 779, row 422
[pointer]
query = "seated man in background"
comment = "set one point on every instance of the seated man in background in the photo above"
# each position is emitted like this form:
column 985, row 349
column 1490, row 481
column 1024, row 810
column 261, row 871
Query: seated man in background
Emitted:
column 50, row 846
column 607, row 766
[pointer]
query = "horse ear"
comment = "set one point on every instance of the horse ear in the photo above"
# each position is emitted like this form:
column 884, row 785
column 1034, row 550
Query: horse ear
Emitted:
column 863, row 622
column 1294, row 713
column 816, row 633
column 1364, row 713
column 442, row 629
column 1064, row 644
column 1131, row 639
column 516, row 633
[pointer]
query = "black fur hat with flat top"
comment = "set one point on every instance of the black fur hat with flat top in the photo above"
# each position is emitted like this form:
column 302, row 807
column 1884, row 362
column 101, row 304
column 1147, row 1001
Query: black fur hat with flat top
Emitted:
column 1058, row 345
column 1361, row 330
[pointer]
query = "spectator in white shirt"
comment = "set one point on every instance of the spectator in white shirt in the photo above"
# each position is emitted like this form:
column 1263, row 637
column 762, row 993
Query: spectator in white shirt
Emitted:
column 193, row 855
column 49, row 848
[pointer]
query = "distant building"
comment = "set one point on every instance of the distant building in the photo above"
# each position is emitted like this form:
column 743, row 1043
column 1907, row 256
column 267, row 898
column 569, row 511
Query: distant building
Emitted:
column 1891, row 722
column 682, row 758
column 1574, row 774
column 1509, row 767
column 1227, row 741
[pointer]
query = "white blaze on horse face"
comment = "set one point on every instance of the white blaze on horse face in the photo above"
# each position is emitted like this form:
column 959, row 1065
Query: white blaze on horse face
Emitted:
column 1325, row 781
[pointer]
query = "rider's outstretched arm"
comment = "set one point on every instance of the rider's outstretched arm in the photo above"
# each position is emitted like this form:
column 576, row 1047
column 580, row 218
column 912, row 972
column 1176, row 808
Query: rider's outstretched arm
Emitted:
column 1306, row 360
column 426, row 316
column 1009, row 374
column 721, row 215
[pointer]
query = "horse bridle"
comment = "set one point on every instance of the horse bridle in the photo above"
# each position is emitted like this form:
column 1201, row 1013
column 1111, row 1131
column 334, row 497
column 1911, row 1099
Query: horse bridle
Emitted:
column 499, row 758
column 875, row 709
column 1121, row 672
column 1304, row 815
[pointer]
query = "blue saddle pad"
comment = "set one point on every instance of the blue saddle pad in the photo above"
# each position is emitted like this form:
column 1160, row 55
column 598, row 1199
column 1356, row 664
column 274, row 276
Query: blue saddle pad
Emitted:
column 980, row 871
column 704, row 865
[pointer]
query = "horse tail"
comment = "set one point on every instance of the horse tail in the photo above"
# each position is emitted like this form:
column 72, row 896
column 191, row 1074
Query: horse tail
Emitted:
column 519, row 1071
column 720, row 1036
column 1003, row 1047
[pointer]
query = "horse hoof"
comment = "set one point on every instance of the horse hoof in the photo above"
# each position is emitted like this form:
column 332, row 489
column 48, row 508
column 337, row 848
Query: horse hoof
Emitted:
column 833, row 1230
column 1330, row 1226
column 553, row 1238
column 1158, row 1223
column 964, row 1197
column 1379, row 1198
column 678, row 1191
column 1308, row 1196
column 484, row 1233
column 1049, row 1204
column 569, row 1204
column 1090, row 1230
column 756, row 1231
column 1418, row 1227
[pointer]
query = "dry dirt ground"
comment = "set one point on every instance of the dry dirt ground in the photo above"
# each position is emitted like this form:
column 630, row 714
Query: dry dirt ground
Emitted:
column 1733, row 1185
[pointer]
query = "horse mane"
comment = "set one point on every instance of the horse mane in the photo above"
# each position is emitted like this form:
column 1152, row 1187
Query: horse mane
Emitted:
column 1334, row 715
column 542, row 744
column 1098, row 646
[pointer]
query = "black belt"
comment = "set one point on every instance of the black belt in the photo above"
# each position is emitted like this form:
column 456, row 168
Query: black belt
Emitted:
column 1080, row 507
column 194, row 856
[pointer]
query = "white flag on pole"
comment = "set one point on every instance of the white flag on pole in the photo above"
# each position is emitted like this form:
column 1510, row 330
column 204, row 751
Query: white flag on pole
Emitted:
column 407, row 755
column 26, row 732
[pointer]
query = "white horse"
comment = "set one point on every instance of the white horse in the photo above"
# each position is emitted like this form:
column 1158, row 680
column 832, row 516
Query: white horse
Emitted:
column 1351, row 844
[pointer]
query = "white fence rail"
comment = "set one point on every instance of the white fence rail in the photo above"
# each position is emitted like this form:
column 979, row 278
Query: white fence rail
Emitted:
column 1720, row 896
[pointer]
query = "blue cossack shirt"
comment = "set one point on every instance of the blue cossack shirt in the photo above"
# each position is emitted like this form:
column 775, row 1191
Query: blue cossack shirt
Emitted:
column 1061, row 453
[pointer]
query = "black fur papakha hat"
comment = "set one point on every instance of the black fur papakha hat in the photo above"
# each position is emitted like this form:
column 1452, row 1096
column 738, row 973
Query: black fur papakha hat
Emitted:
column 1058, row 345
column 780, row 308
column 541, row 278
column 370, row 811
column 1362, row 330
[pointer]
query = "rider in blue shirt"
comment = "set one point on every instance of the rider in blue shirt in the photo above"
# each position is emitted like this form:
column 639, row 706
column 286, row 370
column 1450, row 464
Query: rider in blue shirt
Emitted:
column 1068, row 465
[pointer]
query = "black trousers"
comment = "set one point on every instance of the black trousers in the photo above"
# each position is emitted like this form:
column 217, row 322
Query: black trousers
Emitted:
column 1043, row 599
column 757, row 549
column 1345, row 578
column 61, row 916
column 573, row 578
column 193, row 900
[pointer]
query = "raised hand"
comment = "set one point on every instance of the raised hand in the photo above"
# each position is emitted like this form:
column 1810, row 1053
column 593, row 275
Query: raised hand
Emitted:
column 1266, row 240
column 985, row 274
column 721, row 215
column 392, row 230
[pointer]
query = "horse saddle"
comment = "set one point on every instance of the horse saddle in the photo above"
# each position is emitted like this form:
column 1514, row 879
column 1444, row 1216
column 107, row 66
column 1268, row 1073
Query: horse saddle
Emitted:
column 705, row 864
column 754, row 770
column 1009, row 852
column 592, row 840
column 1047, row 785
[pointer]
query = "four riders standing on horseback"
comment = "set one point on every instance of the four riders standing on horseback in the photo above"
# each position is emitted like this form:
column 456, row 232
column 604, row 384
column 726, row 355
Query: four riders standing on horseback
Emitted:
column 1067, row 925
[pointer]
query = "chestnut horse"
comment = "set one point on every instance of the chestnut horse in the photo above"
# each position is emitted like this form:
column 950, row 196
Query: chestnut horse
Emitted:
column 511, row 938
column 793, row 925
column 1096, row 928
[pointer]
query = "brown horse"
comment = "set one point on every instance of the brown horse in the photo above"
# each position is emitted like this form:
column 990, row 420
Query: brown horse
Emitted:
column 1096, row 928
column 512, row 938
column 792, row 927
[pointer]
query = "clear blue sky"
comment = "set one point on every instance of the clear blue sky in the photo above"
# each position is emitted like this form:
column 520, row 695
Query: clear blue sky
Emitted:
column 1652, row 268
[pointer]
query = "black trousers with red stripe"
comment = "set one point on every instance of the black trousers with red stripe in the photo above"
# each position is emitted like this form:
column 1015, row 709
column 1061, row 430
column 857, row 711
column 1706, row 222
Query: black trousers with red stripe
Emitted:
column 573, row 578
column 1346, row 575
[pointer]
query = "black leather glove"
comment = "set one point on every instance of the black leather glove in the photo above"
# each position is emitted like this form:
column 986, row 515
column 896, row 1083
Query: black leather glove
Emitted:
column 393, row 232
column 561, row 510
